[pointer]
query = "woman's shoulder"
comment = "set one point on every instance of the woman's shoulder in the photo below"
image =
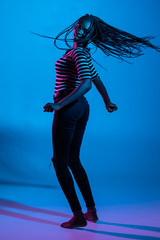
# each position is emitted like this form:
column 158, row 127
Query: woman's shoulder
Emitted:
column 82, row 51
column 78, row 49
column 79, row 52
column 71, row 51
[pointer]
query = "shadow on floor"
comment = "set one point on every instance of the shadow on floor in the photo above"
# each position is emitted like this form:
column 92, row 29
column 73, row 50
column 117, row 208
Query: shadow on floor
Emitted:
column 15, row 205
column 26, row 184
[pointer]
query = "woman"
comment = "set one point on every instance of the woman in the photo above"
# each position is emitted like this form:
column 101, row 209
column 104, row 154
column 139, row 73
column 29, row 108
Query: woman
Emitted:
column 75, row 74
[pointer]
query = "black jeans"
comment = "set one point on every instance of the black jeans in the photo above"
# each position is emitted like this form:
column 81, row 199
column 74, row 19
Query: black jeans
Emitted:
column 68, row 128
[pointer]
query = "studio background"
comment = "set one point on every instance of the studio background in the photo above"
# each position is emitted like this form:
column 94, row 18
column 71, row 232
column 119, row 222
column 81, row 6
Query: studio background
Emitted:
column 118, row 147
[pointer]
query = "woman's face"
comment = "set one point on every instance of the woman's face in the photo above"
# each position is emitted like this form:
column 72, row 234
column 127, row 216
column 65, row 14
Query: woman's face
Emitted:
column 81, row 28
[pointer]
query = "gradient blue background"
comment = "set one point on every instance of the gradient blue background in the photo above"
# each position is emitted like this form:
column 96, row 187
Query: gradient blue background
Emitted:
column 119, row 146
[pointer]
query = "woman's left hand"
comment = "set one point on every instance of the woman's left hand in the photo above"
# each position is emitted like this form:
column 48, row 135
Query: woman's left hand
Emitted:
column 111, row 107
column 50, row 107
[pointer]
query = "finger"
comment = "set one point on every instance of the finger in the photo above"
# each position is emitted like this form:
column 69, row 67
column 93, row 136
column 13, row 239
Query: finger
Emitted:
column 47, row 109
column 113, row 107
column 45, row 105
column 50, row 109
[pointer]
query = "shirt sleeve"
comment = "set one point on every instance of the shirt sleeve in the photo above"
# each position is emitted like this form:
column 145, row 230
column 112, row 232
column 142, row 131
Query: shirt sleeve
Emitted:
column 81, row 64
column 93, row 71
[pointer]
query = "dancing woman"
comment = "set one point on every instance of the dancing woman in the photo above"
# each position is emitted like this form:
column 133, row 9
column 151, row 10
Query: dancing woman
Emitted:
column 75, row 74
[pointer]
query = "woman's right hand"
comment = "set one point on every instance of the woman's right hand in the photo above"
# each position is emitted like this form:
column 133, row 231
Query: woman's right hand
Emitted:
column 50, row 107
column 111, row 107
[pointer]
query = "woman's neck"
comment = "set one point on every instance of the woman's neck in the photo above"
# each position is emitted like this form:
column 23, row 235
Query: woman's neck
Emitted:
column 82, row 45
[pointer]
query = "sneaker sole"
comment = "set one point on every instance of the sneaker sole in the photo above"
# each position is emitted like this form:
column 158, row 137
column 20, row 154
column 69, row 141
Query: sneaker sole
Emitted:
column 78, row 225
column 92, row 220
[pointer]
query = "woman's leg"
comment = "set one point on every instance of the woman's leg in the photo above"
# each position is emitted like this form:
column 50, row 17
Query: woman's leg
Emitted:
column 63, row 128
column 74, row 157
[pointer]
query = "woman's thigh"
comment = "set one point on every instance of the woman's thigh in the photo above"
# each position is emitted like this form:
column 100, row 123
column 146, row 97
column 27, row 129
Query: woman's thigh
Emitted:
column 78, row 134
column 63, row 128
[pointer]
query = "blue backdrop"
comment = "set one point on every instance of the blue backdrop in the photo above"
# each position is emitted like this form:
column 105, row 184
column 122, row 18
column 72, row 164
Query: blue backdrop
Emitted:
column 123, row 145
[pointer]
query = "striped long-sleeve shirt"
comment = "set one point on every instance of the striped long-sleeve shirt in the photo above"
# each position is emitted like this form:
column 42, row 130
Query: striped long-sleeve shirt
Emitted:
column 74, row 66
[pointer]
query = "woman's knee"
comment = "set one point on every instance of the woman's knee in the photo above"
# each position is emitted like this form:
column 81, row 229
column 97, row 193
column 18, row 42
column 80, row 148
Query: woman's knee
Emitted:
column 59, row 163
column 53, row 161
column 74, row 163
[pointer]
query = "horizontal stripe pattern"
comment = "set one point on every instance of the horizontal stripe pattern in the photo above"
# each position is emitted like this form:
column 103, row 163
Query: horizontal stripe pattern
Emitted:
column 74, row 66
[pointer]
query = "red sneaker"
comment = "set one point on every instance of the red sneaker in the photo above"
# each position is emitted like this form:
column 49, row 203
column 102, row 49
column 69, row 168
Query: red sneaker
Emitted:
column 77, row 220
column 91, row 214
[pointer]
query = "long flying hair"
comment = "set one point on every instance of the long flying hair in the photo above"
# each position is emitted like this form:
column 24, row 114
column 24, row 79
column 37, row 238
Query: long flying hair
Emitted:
column 112, row 41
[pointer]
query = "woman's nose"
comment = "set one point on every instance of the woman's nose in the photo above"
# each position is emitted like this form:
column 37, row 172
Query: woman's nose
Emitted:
column 80, row 31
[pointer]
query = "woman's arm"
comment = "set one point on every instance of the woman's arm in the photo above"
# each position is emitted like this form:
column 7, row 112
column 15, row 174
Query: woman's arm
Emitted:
column 101, row 89
column 82, row 88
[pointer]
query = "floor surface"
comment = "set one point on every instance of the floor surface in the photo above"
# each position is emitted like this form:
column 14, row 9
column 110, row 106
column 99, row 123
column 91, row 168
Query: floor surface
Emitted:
column 36, row 212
